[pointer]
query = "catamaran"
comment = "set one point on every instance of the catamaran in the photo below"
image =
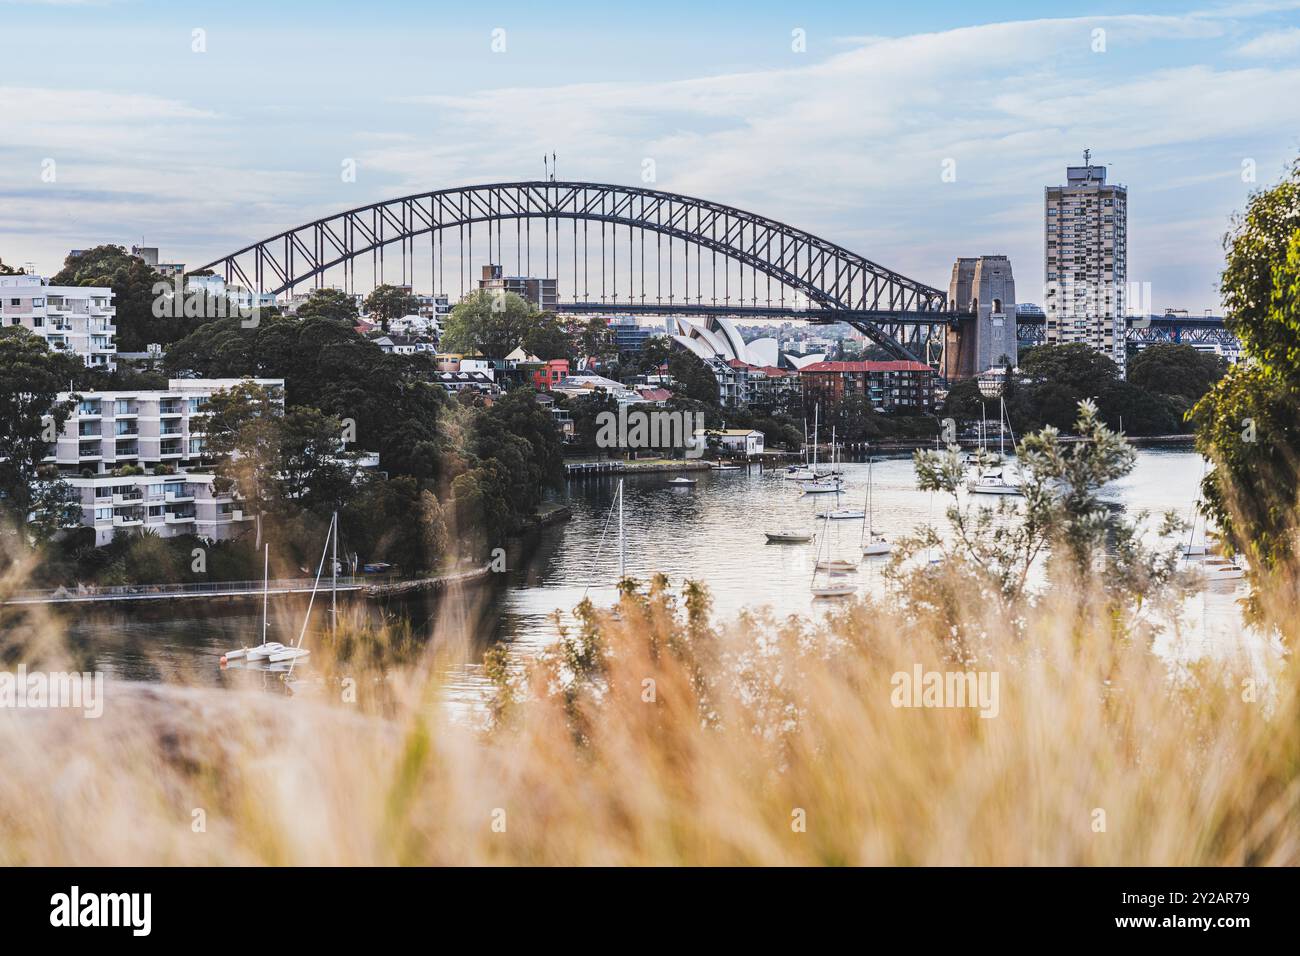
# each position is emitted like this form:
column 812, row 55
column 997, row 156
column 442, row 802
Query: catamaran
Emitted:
column 275, row 652
column 265, row 649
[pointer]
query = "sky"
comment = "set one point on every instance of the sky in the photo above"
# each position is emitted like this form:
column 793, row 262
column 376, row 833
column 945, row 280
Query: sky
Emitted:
column 203, row 127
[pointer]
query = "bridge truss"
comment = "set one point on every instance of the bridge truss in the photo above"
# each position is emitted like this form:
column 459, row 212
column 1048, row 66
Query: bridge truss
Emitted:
column 622, row 248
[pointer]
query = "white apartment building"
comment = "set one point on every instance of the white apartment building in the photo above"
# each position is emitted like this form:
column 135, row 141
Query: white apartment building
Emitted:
column 1086, row 230
column 167, row 505
column 111, row 434
column 75, row 319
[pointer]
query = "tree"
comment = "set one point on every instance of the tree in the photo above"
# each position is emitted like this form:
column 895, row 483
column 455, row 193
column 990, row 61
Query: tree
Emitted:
column 1248, row 424
column 133, row 282
column 964, row 401
column 31, row 416
column 488, row 323
column 1074, row 364
column 549, row 338
column 1062, row 512
column 244, row 434
column 1170, row 369
column 692, row 378
column 7, row 270
column 389, row 302
column 55, row 505
column 315, row 469
column 331, row 304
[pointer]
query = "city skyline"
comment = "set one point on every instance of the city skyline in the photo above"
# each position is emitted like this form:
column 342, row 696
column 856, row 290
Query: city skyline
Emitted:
column 905, row 136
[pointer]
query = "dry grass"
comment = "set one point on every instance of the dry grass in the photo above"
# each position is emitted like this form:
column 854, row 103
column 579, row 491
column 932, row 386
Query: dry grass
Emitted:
column 750, row 723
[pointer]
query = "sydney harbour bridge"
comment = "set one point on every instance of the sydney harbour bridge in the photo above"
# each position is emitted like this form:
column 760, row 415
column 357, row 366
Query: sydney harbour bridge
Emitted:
column 623, row 249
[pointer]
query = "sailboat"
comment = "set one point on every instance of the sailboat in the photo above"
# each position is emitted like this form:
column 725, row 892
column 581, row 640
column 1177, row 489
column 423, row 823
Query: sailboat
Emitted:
column 823, row 483
column 265, row 649
column 838, row 583
column 872, row 543
column 974, row 457
column 801, row 472
column 297, row 652
column 992, row 481
column 275, row 652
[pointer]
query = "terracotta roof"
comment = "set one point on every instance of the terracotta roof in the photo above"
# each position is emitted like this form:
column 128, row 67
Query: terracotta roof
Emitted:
column 894, row 366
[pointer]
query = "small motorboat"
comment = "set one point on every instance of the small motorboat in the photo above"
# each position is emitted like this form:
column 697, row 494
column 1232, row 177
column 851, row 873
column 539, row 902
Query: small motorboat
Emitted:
column 836, row 564
column 836, row 586
column 821, row 486
column 682, row 482
column 843, row 514
column 876, row 544
column 992, row 483
column 1220, row 569
column 789, row 537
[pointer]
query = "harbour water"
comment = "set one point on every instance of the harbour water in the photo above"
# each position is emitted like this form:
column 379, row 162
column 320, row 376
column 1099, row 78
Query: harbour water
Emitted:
column 711, row 532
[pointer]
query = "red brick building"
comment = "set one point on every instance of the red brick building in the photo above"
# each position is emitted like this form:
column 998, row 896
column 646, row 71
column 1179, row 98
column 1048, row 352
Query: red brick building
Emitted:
column 891, row 386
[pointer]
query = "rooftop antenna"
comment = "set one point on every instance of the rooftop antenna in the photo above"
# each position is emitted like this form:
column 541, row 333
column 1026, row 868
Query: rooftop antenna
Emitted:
column 552, row 166
column 546, row 172
column 1087, row 156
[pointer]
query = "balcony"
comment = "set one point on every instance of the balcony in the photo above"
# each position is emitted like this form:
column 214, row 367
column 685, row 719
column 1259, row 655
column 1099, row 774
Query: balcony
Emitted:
column 126, row 451
column 90, row 453
column 170, row 408
column 129, row 498
column 89, row 410
column 178, row 517
column 132, row 520
column 178, row 496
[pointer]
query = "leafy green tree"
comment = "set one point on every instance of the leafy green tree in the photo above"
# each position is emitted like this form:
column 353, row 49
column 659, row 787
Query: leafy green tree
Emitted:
column 655, row 351
column 595, row 340
column 55, row 505
column 7, row 270
column 1248, row 424
column 31, row 416
column 1170, row 369
column 243, row 433
column 964, row 401
column 1073, row 364
column 488, row 323
column 381, row 523
column 692, row 378
column 389, row 302
column 326, row 365
column 330, row 304
column 548, row 337
column 1061, row 513
column 135, row 286
column 316, row 470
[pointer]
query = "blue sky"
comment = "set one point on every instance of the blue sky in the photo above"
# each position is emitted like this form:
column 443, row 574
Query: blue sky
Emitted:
column 203, row 152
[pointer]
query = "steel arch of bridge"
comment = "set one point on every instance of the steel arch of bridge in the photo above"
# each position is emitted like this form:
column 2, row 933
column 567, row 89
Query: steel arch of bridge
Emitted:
column 833, row 278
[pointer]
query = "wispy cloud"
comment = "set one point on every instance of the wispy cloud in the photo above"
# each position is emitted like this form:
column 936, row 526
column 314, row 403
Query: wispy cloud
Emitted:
column 1270, row 46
